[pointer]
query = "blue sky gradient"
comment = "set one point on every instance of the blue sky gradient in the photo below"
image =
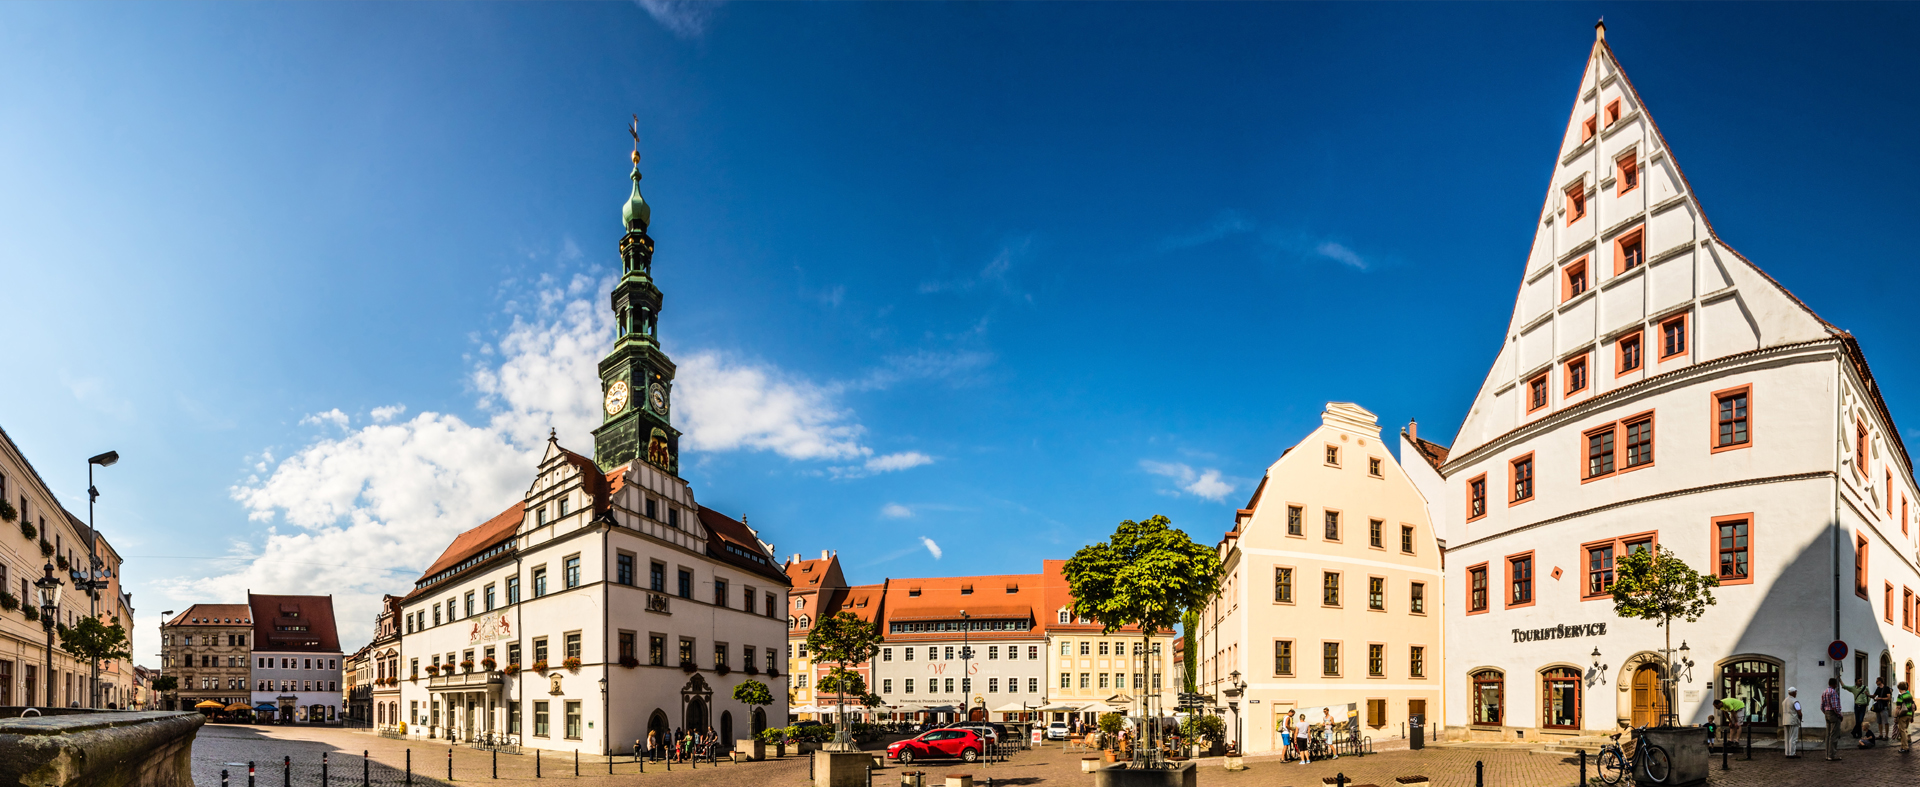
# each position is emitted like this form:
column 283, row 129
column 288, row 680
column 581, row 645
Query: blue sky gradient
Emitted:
column 1074, row 263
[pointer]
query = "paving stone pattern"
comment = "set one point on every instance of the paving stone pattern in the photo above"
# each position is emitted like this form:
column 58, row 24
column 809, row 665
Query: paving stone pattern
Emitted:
column 1447, row 766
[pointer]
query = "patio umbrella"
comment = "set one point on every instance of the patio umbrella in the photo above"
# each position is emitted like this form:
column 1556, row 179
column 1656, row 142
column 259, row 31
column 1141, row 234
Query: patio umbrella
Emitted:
column 1057, row 707
column 1014, row 707
column 209, row 705
column 1098, row 707
column 805, row 709
column 266, row 706
column 239, row 706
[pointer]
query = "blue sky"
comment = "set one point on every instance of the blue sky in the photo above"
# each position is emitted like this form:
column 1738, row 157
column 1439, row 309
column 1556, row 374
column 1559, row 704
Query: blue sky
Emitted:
column 994, row 276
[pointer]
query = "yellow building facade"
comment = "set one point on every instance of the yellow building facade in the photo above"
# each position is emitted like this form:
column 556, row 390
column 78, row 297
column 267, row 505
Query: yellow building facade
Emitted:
column 1331, row 591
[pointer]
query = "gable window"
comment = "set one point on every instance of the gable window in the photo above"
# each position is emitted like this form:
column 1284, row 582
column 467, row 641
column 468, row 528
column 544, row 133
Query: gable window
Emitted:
column 1375, row 533
column 1613, row 112
column 1330, row 588
column 1333, row 526
column 1587, row 128
column 1521, row 472
column 1333, row 455
column 1577, row 375
column 1406, row 539
column 1537, row 392
column 1629, row 174
column 1283, row 585
column 1731, row 544
column 1629, row 251
column 1477, row 588
column 1628, row 350
column 1730, row 418
column 1373, row 467
column 1294, row 525
column 1576, row 203
column 1673, row 337
column 1477, row 497
column 1520, row 580
column 1860, row 566
column 1860, row 448
column 1574, row 282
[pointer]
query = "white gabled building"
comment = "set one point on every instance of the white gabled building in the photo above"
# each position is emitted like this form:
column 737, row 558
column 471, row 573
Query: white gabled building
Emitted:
column 1655, row 386
column 608, row 602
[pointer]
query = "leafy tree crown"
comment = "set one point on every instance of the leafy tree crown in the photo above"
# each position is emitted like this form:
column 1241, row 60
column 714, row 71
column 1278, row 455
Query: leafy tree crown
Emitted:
column 95, row 641
column 1654, row 584
column 1147, row 574
column 753, row 692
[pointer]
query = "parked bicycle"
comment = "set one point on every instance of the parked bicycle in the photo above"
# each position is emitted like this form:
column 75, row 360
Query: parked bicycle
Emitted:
column 1618, row 763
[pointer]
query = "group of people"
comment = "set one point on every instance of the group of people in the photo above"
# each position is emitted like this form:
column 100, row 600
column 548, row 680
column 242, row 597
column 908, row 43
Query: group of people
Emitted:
column 682, row 746
column 1878, row 713
column 1299, row 732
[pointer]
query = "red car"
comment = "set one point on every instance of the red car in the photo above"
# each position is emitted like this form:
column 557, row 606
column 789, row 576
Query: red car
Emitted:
column 938, row 745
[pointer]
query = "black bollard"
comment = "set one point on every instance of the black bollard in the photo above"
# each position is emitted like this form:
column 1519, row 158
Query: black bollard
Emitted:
column 449, row 762
column 286, row 765
column 249, row 773
column 496, row 763
column 1583, row 768
column 1749, row 742
column 1339, row 780
column 409, row 767
column 1479, row 773
column 223, row 777
column 576, row 763
column 366, row 770
column 323, row 769
column 609, row 763
column 870, row 775
column 1726, row 752
column 536, row 763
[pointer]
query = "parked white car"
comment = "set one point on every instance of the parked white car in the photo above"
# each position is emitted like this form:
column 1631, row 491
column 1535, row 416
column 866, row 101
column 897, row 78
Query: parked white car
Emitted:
column 1057, row 731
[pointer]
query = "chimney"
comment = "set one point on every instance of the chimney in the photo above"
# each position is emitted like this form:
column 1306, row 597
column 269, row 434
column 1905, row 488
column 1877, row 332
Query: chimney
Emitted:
column 823, row 554
column 1413, row 430
column 1600, row 29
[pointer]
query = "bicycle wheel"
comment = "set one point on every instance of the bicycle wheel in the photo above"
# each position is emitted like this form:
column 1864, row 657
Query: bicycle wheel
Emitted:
column 1612, row 767
column 1656, row 762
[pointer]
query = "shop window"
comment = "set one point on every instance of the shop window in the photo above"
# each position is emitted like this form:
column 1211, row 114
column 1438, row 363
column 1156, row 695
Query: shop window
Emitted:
column 1560, row 686
column 1732, row 544
column 1520, row 580
column 1573, row 282
column 1520, row 471
column 1477, row 497
column 1673, row 337
column 1629, row 251
column 1576, row 203
column 1627, row 349
column 1489, row 698
column 1756, row 682
column 1537, row 393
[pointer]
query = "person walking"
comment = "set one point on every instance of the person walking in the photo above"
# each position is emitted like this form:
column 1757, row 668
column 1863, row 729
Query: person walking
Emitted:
column 1903, row 709
column 1830, row 708
column 1790, row 720
column 1882, row 708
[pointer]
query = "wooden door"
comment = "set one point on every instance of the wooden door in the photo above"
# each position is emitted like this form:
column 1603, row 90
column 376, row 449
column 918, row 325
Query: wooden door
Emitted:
column 1416, row 708
column 1649, row 702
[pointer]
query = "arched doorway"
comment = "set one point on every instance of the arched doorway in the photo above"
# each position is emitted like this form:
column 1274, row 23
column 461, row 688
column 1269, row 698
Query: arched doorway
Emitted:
column 1649, row 701
column 659, row 730
column 1886, row 667
column 726, row 728
column 759, row 720
column 697, row 715
column 977, row 714
column 1560, row 696
column 1756, row 682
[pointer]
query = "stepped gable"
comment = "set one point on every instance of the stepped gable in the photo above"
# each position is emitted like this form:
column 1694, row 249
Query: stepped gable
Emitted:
column 293, row 624
column 1622, row 247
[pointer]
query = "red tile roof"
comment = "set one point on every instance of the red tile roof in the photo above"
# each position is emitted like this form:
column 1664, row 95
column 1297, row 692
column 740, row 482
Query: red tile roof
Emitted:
column 293, row 624
column 214, row 615
column 732, row 543
column 1434, row 453
column 475, row 541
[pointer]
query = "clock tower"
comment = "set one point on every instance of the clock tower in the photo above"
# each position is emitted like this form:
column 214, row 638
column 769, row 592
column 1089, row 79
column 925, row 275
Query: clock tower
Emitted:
column 636, row 378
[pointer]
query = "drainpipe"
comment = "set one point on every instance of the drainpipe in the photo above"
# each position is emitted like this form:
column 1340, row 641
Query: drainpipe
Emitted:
column 1834, row 536
column 606, row 702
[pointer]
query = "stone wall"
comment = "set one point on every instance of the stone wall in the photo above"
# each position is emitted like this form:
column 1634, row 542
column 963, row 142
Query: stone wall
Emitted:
column 83, row 748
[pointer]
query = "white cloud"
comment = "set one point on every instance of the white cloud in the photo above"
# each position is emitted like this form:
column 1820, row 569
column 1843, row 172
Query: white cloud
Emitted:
column 382, row 415
column 1208, row 484
column 1341, row 254
column 891, row 462
column 728, row 404
column 334, row 417
column 684, row 18
column 932, row 548
column 895, row 511
column 1230, row 222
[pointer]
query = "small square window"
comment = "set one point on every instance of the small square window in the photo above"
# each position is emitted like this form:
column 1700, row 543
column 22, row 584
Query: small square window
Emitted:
column 1587, row 128
column 1613, row 112
column 1374, row 468
column 1333, row 455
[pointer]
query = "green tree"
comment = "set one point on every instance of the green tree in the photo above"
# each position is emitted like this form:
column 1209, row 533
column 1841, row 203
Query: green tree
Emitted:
column 166, row 683
column 92, row 640
column 1189, row 644
column 753, row 693
column 1148, row 574
column 843, row 640
column 1656, row 585
column 1204, row 728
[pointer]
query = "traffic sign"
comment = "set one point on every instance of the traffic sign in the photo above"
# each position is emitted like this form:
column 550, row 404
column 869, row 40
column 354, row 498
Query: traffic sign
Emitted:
column 1837, row 650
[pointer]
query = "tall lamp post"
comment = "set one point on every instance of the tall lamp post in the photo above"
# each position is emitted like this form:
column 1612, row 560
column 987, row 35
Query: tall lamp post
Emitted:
column 160, row 696
column 96, row 580
column 49, row 587
column 966, row 670
column 1238, row 691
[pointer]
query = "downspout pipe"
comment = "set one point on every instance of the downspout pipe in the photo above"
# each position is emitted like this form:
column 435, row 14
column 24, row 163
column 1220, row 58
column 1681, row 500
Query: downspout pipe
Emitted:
column 1839, row 416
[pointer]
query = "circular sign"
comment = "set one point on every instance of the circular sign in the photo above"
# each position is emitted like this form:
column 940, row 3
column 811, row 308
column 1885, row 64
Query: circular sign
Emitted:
column 1837, row 650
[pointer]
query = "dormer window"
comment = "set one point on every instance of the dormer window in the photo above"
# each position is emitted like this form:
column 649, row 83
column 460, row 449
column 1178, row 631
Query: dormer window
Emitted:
column 913, row 592
column 966, row 590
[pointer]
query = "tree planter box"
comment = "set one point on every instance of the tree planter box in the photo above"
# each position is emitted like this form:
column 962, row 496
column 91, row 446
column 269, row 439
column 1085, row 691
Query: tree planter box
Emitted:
column 780, row 749
column 1089, row 764
column 1184, row 774
column 751, row 749
column 1411, row 781
column 1687, row 748
column 840, row 768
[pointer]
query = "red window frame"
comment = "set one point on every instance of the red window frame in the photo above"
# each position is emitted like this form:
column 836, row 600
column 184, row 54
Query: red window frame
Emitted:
column 1587, row 128
column 1728, row 421
column 1860, row 448
column 1476, row 497
column 1860, row 569
column 1630, row 250
column 1629, row 175
column 1739, row 543
column 1521, row 479
column 1576, row 203
column 1478, row 590
column 1887, row 603
column 1613, row 112
column 1538, row 394
column 1906, row 608
column 1629, row 347
column 1574, row 282
column 1619, row 546
column 1636, row 442
column 1673, row 337
column 1521, row 569
column 1578, row 377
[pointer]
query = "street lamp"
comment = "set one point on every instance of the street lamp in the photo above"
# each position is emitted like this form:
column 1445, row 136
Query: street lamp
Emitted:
column 966, row 670
column 1599, row 669
column 164, row 617
column 49, row 608
column 95, row 580
column 1238, row 691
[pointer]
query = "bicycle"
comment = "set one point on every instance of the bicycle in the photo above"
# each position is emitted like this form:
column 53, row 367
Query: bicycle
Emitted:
column 1616, row 763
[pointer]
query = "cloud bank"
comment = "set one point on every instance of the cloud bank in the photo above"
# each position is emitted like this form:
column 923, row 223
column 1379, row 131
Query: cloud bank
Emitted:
column 1206, row 484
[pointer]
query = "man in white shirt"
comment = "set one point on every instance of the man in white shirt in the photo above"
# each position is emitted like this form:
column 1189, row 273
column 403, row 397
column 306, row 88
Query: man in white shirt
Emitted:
column 1303, row 734
column 1790, row 719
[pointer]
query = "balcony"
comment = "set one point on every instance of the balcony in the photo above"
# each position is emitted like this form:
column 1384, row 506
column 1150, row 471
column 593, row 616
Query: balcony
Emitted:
column 464, row 680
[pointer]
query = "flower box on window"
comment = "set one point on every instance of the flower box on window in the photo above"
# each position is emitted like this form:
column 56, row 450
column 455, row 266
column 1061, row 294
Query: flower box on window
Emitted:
column 433, row 669
column 489, row 664
column 466, row 665
column 572, row 662
column 722, row 668
column 540, row 666
column 512, row 668
column 629, row 662
column 752, row 670
column 689, row 667
column 773, row 673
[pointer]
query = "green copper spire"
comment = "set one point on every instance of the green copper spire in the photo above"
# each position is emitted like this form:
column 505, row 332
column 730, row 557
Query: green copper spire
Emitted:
column 637, row 214
column 636, row 377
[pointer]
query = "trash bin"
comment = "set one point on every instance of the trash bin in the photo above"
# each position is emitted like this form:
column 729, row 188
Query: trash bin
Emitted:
column 1417, row 733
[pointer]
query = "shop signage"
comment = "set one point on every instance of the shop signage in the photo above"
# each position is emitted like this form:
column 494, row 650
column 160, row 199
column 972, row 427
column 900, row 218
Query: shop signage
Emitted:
column 1560, row 632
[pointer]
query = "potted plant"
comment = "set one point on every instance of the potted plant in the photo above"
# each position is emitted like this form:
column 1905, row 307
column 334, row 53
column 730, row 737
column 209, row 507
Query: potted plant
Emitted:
column 689, row 667
column 773, row 673
column 489, row 664
column 754, row 694
column 8, row 602
column 512, row 668
column 433, row 669
column 722, row 668
column 540, row 666
column 27, row 529
column 572, row 663
column 413, row 677
column 61, row 562
column 752, row 670
column 466, row 665
column 629, row 661
column 7, row 513
column 46, row 549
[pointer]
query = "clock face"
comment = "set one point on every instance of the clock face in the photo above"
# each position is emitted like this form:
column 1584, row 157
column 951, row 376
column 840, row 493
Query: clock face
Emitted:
column 657, row 394
column 617, row 397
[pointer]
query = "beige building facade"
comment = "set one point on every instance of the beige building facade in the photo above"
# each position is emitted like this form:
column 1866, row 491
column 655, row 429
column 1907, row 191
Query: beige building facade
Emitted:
column 1330, row 596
